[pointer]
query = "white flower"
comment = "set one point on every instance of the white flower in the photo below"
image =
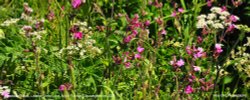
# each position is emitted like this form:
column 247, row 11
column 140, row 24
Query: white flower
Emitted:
column 222, row 17
column 211, row 16
column 201, row 23
column 210, row 22
column 10, row 21
column 218, row 26
column 202, row 16
column 216, row 10
column 224, row 13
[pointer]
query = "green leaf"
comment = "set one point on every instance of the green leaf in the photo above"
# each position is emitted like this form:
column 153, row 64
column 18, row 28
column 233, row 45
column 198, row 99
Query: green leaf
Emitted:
column 227, row 79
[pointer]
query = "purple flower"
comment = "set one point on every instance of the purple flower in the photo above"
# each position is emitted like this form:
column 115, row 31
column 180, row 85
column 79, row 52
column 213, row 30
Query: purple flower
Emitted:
column 62, row 87
column 189, row 89
column 180, row 63
column 76, row 3
column 140, row 49
column 78, row 35
column 209, row 3
column 5, row 94
column 181, row 10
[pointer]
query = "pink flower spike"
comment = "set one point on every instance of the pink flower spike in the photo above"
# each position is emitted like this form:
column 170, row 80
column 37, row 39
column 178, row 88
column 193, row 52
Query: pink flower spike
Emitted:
column 189, row 89
column 197, row 68
column 181, row 10
column 180, row 63
column 78, row 35
column 138, row 56
column 5, row 94
column 140, row 49
column 76, row 3
column 173, row 14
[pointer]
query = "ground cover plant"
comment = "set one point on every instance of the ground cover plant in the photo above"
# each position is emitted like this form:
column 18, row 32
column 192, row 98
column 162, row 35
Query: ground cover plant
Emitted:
column 124, row 49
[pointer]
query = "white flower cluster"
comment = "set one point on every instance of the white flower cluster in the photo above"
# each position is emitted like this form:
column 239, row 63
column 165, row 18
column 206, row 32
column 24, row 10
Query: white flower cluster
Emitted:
column 10, row 21
column 85, row 47
column 217, row 19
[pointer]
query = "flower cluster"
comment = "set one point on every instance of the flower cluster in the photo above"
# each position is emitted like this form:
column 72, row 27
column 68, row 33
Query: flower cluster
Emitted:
column 177, row 63
column 196, row 52
column 219, row 18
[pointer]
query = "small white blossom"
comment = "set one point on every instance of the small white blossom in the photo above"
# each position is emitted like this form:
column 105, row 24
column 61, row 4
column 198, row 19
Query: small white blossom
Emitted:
column 211, row 16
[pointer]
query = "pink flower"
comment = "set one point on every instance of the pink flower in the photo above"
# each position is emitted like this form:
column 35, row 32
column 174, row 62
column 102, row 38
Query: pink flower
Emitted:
column 127, row 64
column 234, row 18
column 197, row 68
column 199, row 39
column 181, row 10
column 78, row 35
column 189, row 89
column 223, row 8
column 62, row 87
column 163, row 32
column 173, row 14
column 147, row 23
column 135, row 32
column 230, row 28
column 180, row 63
column 199, row 53
column 209, row 3
column 188, row 50
column 5, row 94
column 127, row 39
column 138, row 56
column 140, row 49
column 218, row 48
column 76, row 3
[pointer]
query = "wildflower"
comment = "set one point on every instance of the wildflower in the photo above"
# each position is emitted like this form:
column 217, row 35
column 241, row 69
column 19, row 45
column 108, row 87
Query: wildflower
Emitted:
column 163, row 32
column 62, row 87
column 173, row 14
column 181, row 10
column 218, row 48
column 199, row 39
column 117, row 59
column 191, row 79
column 234, row 18
column 209, row 3
column 223, row 8
column 189, row 89
column 65, row 86
column 180, row 63
column 135, row 32
column 127, row 39
column 137, row 56
column 78, row 35
column 140, row 49
column 5, row 94
column 199, row 52
column 127, row 64
column 76, row 3
column 147, row 23
column 188, row 50
column 196, row 68
column 230, row 28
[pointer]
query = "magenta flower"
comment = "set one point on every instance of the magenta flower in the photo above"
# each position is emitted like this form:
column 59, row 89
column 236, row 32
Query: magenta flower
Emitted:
column 134, row 32
column 209, row 3
column 234, row 18
column 199, row 53
column 147, row 23
column 5, row 94
column 189, row 89
column 140, row 49
column 218, row 48
column 223, row 8
column 173, row 14
column 138, row 56
column 180, row 63
column 197, row 68
column 230, row 28
column 78, row 35
column 62, row 87
column 127, row 39
column 127, row 64
column 181, row 10
column 76, row 3
column 188, row 50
